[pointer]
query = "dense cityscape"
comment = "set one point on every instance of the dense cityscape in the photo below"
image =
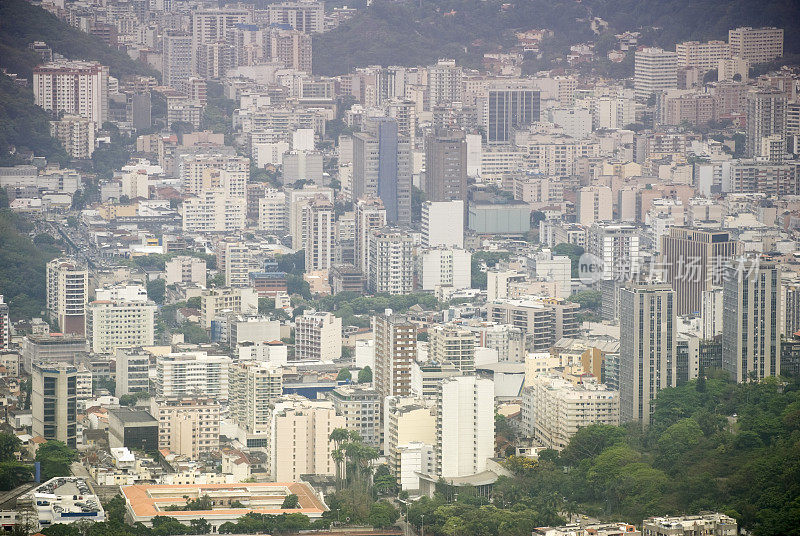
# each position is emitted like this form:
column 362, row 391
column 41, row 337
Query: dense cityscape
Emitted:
column 397, row 268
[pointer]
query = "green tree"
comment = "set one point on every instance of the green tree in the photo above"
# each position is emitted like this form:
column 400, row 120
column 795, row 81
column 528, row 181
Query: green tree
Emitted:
column 290, row 502
column 383, row 515
column 200, row 526
column 588, row 299
column 13, row 474
column 157, row 290
column 365, row 375
column 55, row 459
column 344, row 375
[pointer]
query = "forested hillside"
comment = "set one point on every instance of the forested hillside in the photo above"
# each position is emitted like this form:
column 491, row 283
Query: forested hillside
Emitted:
column 417, row 33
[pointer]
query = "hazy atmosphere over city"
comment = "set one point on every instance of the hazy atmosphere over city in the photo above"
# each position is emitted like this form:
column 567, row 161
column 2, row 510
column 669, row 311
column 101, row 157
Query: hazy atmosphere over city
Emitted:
column 400, row 267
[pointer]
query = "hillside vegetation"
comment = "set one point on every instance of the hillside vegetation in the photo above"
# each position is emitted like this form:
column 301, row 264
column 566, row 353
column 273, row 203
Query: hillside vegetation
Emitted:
column 407, row 33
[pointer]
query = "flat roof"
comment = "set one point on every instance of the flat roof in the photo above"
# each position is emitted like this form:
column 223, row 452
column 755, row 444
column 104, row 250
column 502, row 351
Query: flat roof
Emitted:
column 147, row 500
column 133, row 416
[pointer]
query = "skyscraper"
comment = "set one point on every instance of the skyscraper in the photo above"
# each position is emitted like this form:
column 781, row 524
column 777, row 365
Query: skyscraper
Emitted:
column 766, row 116
column 54, row 402
column 508, row 106
column 446, row 166
column 655, row 70
column 647, row 350
column 751, row 320
column 694, row 261
column 382, row 168
column 395, row 350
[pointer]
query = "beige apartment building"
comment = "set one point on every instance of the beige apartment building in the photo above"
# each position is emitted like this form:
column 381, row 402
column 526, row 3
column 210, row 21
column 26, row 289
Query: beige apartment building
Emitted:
column 395, row 350
column 67, row 294
column 452, row 344
column 406, row 420
column 253, row 386
column 756, row 45
column 704, row 56
column 318, row 336
column 236, row 300
column 187, row 427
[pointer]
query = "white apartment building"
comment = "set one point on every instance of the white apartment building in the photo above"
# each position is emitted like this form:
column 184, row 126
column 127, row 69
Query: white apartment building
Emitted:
column 561, row 407
column 306, row 17
column 756, row 45
column 254, row 386
column 391, row 263
column 318, row 336
column 444, row 267
column 201, row 172
column 370, row 216
column 655, row 70
column 76, row 134
column 616, row 248
column 116, row 324
column 464, row 426
column 187, row 427
column 272, row 216
column 237, row 264
column 556, row 155
column 508, row 341
column 452, row 344
column 415, row 458
column 186, row 270
column 361, row 409
column 594, row 203
column 613, row 112
column 407, row 420
column 443, row 224
column 214, row 211
column 188, row 374
column 445, row 83
column 320, row 234
column 67, row 294
column 235, row 300
column 298, row 440
column 73, row 87
column 295, row 201
column 704, row 56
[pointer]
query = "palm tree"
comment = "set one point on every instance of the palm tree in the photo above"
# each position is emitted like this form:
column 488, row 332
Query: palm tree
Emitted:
column 338, row 457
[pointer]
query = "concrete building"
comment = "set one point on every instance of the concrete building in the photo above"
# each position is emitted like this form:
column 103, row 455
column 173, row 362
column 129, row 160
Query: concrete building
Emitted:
column 391, row 263
column 306, row 17
column 253, row 386
column 509, row 105
column 132, row 371
column 370, row 216
column 444, row 268
column 318, row 337
column 405, row 421
column 176, row 59
column 544, row 320
column 446, row 166
column 185, row 270
column 499, row 218
column 647, row 352
column 756, row 45
column 452, row 344
column 291, row 48
column 464, row 426
column 132, row 429
column 655, row 70
column 594, row 204
column 201, row 172
column 76, row 134
column 443, row 224
column 187, row 427
column 214, row 211
column 235, row 300
column 616, row 249
column 444, row 83
column 299, row 439
column 295, row 201
column 561, row 407
column 320, row 236
column 507, row 341
column 709, row 523
column 361, row 409
column 766, row 116
column 237, row 264
column 67, row 294
column 180, row 375
column 73, row 87
column 751, row 329
column 5, row 325
column 51, row 348
column 704, row 56
column 382, row 168
column 395, row 350
column 54, row 402
column 116, row 324
column 272, row 216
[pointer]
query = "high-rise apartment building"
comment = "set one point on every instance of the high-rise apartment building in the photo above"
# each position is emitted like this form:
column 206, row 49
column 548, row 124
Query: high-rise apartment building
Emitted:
column 391, row 263
column 647, row 349
column 445, row 83
column 213, row 25
column 318, row 337
column 616, row 249
column 76, row 134
column 766, row 116
column 370, row 216
column 113, row 324
column 298, row 442
column 306, row 17
column 594, row 204
column 192, row 374
column 751, row 317
column 214, row 211
column 254, row 385
column 561, row 407
column 54, row 402
column 73, row 87
column 320, row 234
column 361, row 409
column 395, row 350
column 543, row 320
column 236, row 300
column 272, row 216
column 452, row 344
column 237, row 264
column 132, row 371
column 704, row 56
column 295, row 201
column 443, row 224
column 290, row 47
column 201, row 172
column 694, row 261
column 443, row 267
column 5, row 325
column 67, row 294
column 655, row 70
column 382, row 168
column 464, row 426
column 187, row 427
column 176, row 58
column 446, row 166
column 185, row 269
column 756, row 45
